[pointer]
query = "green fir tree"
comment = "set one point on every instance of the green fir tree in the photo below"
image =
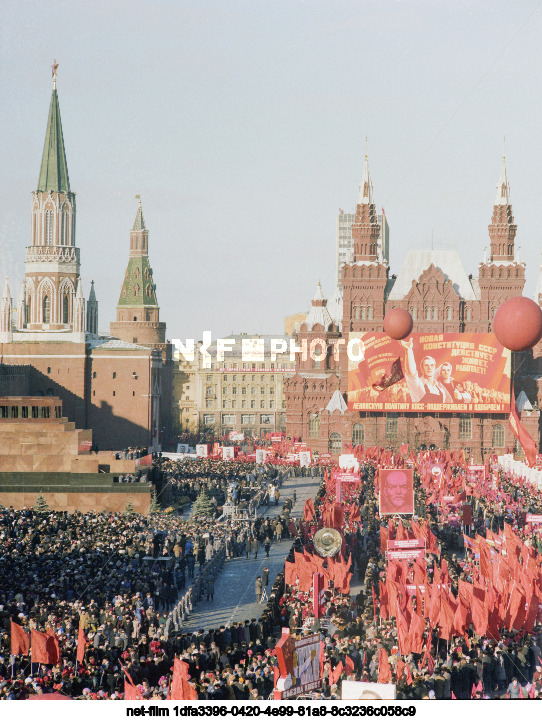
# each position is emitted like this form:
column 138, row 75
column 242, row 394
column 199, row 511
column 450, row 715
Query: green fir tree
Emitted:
column 203, row 506
column 129, row 509
column 155, row 506
column 41, row 504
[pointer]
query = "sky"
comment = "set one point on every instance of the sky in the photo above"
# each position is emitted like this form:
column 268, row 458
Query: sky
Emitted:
column 242, row 126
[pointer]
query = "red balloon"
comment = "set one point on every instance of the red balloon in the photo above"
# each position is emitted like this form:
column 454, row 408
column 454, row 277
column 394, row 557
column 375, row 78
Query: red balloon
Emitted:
column 518, row 323
column 398, row 323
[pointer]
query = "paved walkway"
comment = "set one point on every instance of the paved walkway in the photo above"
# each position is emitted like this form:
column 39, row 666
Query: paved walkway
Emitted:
column 235, row 598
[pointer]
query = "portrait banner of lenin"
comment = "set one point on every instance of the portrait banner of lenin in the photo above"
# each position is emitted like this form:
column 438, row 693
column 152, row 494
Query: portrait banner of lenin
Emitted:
column 396, row 492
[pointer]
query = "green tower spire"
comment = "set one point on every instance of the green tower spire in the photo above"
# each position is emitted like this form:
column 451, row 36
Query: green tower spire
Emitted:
column 54, row 168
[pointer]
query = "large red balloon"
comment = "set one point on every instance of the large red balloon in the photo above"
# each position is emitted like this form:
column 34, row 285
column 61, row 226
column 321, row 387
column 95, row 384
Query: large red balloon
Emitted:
column 398, row 323
column 518, row 323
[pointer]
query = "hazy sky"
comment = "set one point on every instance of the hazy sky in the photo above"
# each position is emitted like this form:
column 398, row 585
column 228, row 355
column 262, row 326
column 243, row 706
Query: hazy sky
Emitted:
column 242, row 126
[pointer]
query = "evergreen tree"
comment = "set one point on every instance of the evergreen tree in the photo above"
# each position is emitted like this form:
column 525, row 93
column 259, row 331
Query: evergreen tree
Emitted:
column 155, row 506
column 203, row 506
column 41, row 504
column 129, row 509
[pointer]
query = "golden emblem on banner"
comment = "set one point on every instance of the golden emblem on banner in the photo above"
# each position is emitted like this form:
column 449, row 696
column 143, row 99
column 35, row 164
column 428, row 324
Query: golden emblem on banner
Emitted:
column 327, row 541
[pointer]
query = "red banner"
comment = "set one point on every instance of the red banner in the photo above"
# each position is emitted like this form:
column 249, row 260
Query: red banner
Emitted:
column 396, row 491
column 407, row 554
column 409, row 543
column 318, row 595
column 452, row 372
column 526, row 442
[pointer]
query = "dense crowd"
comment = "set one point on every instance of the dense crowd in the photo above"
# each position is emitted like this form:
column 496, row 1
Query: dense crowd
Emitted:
column 185, row 479
column 100, row 572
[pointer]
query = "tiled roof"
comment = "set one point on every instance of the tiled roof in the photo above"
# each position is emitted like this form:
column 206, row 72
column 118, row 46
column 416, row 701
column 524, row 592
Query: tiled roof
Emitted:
column 54, row 168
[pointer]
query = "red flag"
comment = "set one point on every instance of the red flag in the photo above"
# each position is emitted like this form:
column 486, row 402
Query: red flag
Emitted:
column 383, row 539
column 349, row 665
column 290, row 573
column 417, row 627
column 384, row 601
column 38, row 647
column 446, row 618
column 335, row 674
column 44, row 647
column 402, row 633
column 384, row 670
column 408, row 675
column 81, row 645
column 532, row 613
column 293, row 530
column 20, row 640
column 529, row 446
column 394, row 375
column 53, row 647
column 374, row 603
column 181, row 689
column 308, row 510
column 479, row 615
column 131, row 692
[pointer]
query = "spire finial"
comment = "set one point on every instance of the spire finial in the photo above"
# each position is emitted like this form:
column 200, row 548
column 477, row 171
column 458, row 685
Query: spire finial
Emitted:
column 54, row 71
column 366, row 156
column 503, row 146
column 503, row 188
column 138, row 197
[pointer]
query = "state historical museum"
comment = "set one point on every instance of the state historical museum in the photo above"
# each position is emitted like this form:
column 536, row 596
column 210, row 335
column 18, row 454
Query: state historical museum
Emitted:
column 434, row 287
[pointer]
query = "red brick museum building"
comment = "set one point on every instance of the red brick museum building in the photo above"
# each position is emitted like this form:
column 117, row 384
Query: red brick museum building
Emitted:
column 435, row 288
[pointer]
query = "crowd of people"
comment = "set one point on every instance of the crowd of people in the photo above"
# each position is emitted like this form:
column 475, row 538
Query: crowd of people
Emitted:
column 104, row 574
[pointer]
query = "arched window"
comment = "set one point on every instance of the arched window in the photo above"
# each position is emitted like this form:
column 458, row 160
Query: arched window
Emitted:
column 448, row 313
column 497, row 436
column 358, row 434
column 414, row 313
column 314, row 425
column 318, row 355
column 369, row 313
column 465, row 427
column 428, row 314
column 435, row 313
column 48, row 227
column 65, row 309
column 356, row 313
column 362, row 313
column 46, row 309
column 391, row 426
column 136, row 289
column 335, row 443
column 64, row 227
column 467, row 314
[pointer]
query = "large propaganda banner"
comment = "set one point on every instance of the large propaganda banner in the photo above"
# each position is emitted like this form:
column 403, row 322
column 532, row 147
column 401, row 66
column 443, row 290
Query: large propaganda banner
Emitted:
column 299, row 665
column 453, row 372
column 396, row 492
